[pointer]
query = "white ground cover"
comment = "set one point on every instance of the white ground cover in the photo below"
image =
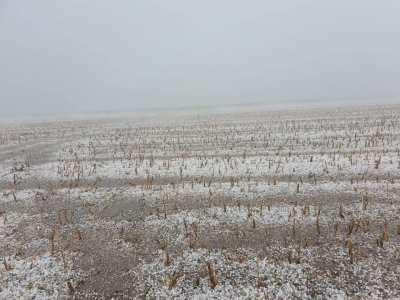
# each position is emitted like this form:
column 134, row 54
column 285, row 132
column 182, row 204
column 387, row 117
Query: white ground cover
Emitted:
column 117, row 186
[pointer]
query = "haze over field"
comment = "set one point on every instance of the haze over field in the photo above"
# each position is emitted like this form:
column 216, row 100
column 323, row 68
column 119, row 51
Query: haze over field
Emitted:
column 82, row 56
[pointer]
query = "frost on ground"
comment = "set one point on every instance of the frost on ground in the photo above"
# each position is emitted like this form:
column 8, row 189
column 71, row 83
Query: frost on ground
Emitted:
column 33, row 276
column 261, row 205
column 36, row 277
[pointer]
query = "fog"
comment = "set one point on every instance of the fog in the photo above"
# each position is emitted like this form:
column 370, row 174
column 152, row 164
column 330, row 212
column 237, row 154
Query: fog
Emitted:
column 83, row 56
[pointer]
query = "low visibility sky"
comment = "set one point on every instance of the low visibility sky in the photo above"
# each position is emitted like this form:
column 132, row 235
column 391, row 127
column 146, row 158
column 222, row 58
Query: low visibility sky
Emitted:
column 73, row 56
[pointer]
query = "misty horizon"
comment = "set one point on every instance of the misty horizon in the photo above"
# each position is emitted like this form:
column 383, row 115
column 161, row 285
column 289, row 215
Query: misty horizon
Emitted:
column 304, row 104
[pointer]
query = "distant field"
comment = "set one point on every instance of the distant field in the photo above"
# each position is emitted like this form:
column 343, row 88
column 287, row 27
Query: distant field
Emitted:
column 139, row 113
column 264, row 204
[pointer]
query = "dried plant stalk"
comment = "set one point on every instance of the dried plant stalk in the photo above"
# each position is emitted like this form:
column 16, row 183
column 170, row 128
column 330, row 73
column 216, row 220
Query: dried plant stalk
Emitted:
column 249, row 210
column 350, row 227
column 298, row 252
column 15, row 197
column 318, row 226
column 167, row 260
column 70, row 288
column 6, row 265
column 270, row 205
column 385, row 234
column 240, row 258
column 161, row 244
column 351, row 252
column 335, row 227
column 121, row 232
column 211, row 274
column 289, row 255
column 64, row 258
column 52, row 243
column 294, row 227
column 72, row 241
column 266, row 236
column 79, row 234
column 186, row 228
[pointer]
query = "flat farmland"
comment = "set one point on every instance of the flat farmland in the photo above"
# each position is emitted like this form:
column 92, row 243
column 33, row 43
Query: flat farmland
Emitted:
column 289, row 204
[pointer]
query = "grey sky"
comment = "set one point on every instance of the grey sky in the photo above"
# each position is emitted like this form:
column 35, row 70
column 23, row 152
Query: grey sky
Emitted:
column 70, row 56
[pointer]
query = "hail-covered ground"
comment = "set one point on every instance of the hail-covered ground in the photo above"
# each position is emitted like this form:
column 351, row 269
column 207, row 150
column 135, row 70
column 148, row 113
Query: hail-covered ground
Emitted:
column 301, row 204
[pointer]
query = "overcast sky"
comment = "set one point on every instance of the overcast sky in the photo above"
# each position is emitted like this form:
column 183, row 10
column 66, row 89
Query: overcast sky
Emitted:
column 71, row 56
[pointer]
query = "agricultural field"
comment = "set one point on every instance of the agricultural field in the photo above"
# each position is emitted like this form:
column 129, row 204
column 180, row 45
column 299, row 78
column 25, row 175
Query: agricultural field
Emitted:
column 301, row 204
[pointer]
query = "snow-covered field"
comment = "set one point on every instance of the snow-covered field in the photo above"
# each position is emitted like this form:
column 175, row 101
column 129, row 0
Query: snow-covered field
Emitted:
column 301, row 204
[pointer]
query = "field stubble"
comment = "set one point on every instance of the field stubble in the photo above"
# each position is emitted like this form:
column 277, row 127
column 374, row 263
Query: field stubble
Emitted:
column 263, row 205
